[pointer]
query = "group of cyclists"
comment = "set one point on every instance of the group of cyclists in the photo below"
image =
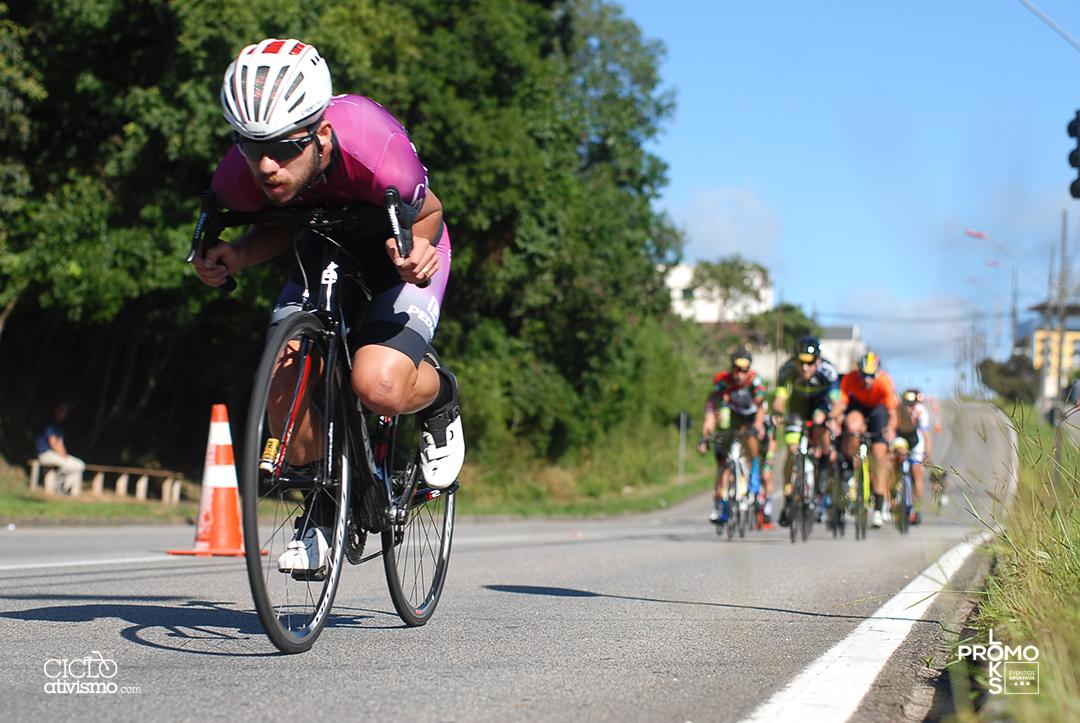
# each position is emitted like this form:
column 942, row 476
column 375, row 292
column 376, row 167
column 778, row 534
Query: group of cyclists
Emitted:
column 837, row 411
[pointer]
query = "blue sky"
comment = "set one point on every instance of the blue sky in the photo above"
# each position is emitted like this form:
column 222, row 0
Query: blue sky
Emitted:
column 847, row 146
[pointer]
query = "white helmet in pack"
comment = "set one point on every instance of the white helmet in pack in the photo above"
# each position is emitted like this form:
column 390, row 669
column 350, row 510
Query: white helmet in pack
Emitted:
column 274, row 88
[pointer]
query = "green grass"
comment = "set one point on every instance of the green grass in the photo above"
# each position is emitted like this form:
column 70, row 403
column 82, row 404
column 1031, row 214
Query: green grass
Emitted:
column 21, row 506
column 634, row 472
column 1033, row 592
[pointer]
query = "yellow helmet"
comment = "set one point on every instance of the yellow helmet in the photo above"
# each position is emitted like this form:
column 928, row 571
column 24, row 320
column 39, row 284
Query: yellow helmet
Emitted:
column 869, row 364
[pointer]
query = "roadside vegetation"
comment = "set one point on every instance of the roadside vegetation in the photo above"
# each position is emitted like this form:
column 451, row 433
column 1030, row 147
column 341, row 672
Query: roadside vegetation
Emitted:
column 1033, row 590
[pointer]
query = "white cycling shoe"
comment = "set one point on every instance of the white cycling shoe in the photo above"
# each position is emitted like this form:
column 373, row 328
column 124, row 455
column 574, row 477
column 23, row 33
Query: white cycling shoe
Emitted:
column 307, row 555
column 442, row 452
column 877, row 520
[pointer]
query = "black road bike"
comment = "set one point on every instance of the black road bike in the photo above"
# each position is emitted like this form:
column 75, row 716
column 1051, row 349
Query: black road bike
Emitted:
column 800, row 488
column 314, row 457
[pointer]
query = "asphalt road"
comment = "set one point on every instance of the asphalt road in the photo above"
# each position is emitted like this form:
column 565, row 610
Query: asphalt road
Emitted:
column 637, row 618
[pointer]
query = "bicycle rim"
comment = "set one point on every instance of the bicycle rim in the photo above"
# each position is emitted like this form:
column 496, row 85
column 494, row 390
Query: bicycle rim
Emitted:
column 795, row 514
column 283, row 501
column 416, row 552
column 860, row 501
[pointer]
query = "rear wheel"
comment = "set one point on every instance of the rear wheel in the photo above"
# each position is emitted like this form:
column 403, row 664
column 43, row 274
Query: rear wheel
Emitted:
column 796, row 498
column 905, row 506
column 860, row 499
column 416, row 548
column 296, row 477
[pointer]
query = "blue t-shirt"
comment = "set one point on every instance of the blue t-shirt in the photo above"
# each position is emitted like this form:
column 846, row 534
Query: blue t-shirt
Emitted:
column 48, row 429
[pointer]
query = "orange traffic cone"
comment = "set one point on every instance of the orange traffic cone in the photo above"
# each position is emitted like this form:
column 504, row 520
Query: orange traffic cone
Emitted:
column 218, row 530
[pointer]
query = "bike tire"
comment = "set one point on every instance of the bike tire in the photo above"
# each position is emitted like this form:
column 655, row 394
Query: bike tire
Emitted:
column 796, row 497
column 280, row 503
column 809, row 507
column 905, row 510
column 742, row 504
column 416, row 549
column 860, row 500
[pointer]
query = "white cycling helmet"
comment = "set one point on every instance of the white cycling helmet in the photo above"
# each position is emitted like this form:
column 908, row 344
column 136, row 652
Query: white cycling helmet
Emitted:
column 274, row 88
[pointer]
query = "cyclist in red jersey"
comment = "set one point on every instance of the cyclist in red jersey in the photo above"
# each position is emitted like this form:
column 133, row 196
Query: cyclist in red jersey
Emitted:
column 296, row 144
column 737, row 406
column 870, row 405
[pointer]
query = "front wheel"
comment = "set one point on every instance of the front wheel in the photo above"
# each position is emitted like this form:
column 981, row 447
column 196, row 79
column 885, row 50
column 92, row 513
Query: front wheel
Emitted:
column 796, row 500
column 860, row 499
column 416, row 549
column 295, row 482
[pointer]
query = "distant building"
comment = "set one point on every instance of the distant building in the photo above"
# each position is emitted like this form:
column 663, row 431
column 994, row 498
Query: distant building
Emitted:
column 842, row 346
column 708, row 308
column 1040, row 343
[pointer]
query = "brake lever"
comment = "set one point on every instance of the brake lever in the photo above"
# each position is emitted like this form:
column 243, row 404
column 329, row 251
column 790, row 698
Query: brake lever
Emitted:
column 401, row 221
column 207, row 233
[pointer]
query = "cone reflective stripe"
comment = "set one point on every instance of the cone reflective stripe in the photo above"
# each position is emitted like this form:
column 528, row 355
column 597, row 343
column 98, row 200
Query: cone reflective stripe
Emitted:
column 218, row 530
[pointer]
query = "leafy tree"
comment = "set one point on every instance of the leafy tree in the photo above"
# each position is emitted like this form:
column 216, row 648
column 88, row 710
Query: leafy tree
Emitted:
column 730, row 278
column 788, row 319
column 1015, row 380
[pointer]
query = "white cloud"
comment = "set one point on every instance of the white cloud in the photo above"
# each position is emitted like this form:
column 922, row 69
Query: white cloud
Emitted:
column 720, row 222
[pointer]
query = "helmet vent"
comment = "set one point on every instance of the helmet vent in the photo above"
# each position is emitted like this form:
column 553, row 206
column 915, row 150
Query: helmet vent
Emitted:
column 270, row 100
column 260, row 84
column 298, row 102
column 292, row 88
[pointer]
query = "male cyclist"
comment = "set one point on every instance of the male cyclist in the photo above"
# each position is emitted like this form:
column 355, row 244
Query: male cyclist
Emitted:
column 296, row 144
column 914, row 427
column 869, row 401
column 737, row 406
column 813, row 386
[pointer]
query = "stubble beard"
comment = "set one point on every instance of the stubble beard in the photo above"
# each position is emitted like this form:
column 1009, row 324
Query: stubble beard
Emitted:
column 302, row 184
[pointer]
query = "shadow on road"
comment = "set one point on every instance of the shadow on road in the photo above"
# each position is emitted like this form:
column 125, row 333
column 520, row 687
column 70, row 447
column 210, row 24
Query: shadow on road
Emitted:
column 200, row 627
column 569, row 592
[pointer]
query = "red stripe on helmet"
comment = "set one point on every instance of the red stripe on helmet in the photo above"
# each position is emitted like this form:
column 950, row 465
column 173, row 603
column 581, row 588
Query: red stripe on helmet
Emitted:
column 297, row 49
column 273, row 47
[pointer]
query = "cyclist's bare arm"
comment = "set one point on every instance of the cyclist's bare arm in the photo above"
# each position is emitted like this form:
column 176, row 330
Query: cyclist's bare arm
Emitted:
column 707, row 427
column 259, row 243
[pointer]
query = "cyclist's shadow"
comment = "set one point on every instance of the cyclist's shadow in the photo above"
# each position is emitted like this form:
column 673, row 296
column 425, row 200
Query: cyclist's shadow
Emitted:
column 201, row 627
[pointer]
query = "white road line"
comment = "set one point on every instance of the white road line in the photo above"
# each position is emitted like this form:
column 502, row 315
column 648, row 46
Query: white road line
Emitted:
column 87, row 563
column 831, row 689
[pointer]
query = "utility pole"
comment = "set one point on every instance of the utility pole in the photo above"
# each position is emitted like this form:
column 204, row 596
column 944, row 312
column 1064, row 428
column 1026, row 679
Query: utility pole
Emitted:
column 1012, row 349
column 1059, row 402
column 994, row 350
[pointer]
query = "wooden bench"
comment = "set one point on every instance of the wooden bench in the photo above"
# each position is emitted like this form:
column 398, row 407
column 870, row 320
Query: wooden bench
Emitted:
column 171, row 485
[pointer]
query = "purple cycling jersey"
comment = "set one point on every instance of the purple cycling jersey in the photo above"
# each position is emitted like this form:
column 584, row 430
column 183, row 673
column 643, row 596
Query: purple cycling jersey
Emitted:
column 372, row 152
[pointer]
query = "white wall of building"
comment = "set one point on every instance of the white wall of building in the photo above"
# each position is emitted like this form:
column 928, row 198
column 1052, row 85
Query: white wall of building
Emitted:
column 706, row 308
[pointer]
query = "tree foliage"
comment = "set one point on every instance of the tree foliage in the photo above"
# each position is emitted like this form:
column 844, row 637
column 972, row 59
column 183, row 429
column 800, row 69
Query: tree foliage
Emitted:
column 730, row 278
column 789, row 320
column 532, row 116
column 1015, row 380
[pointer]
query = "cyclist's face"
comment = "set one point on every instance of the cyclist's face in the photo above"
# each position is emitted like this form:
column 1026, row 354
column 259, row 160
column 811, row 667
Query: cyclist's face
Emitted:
column 868, row 380
column 807, row 368
column 282, row 181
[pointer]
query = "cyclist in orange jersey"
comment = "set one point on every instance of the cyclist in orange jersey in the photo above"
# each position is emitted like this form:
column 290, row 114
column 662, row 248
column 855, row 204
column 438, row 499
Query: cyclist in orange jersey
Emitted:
column 870, row 404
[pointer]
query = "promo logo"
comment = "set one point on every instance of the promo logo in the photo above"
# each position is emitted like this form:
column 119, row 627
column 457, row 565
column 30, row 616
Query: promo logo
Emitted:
column 1011, row 670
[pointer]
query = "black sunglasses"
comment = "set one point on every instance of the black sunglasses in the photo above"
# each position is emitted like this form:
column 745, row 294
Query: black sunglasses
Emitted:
column 280, row 151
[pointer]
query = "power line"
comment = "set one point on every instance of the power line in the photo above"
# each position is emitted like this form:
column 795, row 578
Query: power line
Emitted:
column 1046, row 19
column 898, row 319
